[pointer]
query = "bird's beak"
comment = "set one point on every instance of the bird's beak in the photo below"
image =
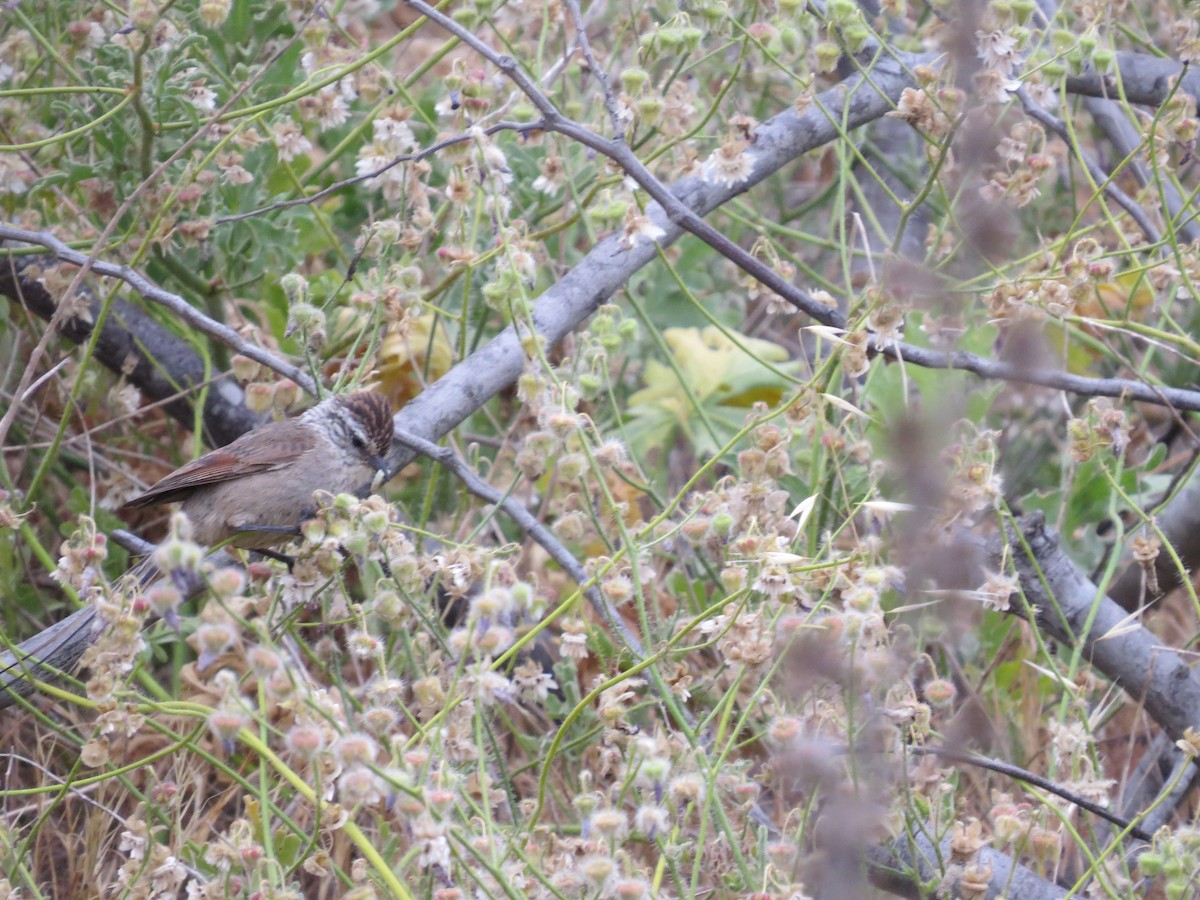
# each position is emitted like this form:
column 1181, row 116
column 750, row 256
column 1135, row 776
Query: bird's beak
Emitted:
column 380, row 465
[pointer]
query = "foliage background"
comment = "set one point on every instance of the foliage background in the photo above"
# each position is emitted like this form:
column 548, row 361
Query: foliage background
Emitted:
column 759, row 454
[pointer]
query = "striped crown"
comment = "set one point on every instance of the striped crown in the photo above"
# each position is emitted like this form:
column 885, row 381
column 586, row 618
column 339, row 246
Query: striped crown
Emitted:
column 375, row 415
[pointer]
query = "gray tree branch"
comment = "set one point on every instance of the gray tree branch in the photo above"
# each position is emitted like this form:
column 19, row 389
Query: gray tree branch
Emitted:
column 131, row 343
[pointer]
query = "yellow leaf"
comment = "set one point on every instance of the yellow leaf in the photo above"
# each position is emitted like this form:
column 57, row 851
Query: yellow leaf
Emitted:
column 714, row 367
column 1126, row 296
column 408, row 360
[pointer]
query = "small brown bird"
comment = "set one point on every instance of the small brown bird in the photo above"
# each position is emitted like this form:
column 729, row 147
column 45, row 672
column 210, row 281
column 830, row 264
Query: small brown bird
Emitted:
column 260, row 487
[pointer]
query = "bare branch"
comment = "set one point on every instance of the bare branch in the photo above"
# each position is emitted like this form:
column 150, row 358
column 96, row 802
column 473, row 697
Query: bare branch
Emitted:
column 45, row 656
column 1104, row 180
column 890, row 867
column 610, row 102
column 530, row 525
column 85, row 261
column 1019, row 774
column 680, row 207
column 433, row 149
column 686, row 216
column 183, row 310
column 132, row 344
column 1183, row 218
column 1138, row 78
column 1062, row 601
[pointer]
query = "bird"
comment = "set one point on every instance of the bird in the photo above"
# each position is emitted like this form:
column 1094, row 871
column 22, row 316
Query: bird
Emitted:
column 255, row 491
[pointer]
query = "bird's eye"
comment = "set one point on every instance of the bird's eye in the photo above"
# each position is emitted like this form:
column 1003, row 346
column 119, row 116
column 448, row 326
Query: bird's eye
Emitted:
column 358, row 442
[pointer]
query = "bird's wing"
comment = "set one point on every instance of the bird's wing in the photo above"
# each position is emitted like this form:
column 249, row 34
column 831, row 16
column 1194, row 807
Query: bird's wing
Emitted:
column 236, row 460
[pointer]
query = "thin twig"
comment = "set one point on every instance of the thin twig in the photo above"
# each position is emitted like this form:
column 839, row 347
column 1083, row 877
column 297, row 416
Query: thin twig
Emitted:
column 87, row 262
column 1103, row 180
column 677, row 211
column 530, row 525
column 1003, row 768
column 45, row 376
column 680, row 214
column 524, row 128
column 610, row 102
column 1110, row 117
column 999, row 370
column 175, row 303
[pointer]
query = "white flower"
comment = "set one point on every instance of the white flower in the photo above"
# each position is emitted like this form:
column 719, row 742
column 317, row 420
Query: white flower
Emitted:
column 166, row 879
column 290, row 141
column 729, row 164
column 994, row 85
column 552, row 178
column 394, row 134
column 371, row 160
column 639, row 227
column 14, row 180
column 202, row 97
column 498, row 207
column 997, row 49
column 431, row 838
column 496, row 163
column 332, row 109
column 132, row 843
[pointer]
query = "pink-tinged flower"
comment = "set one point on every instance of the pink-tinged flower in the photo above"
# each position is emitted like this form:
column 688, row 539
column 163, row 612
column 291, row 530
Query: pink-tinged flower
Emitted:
column 997, row 49
column 638, row 227
column 290, row 141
